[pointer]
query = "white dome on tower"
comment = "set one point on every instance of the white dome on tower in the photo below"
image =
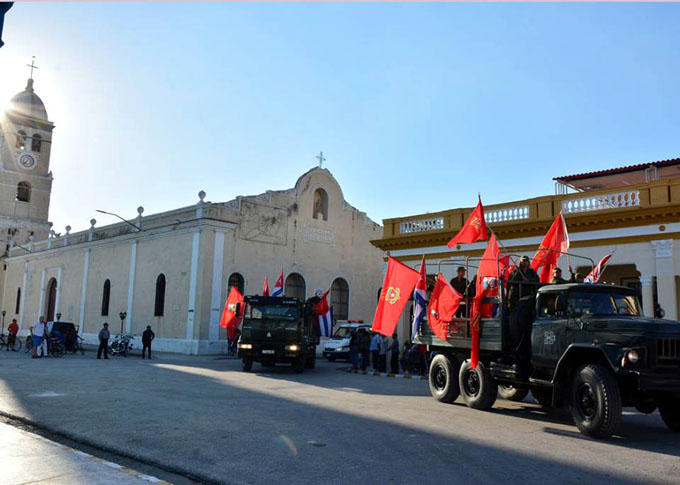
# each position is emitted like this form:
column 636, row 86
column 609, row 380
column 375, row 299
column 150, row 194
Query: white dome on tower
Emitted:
column 28, row 104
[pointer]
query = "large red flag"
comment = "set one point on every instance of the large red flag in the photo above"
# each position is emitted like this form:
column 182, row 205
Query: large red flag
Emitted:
column 229, row 319
column 555, row 242
column 474, row 228
column 265, row 288
column 491, row 267
column 444, row 303
column 400, row 280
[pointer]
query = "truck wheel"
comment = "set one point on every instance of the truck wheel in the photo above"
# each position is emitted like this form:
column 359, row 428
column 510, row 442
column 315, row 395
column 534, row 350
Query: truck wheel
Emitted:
column 511, row 393
column 311, row 360
column 477, row 387
column 596, row 401
column 299, row 365
column 247, row 365
column 543, row 396
column 646, row 406
column 443, row 379
column 670, row 413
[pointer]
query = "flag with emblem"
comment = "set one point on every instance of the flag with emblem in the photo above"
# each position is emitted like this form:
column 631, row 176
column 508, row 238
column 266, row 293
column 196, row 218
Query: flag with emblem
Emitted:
column 278, row 287
column 265, row 288
column 324, row 313
column 229, row 319
column 474, row 228
column 420, row 299
column 400, row 280
column 555, row 242
column 594, row 275
column 444, row 303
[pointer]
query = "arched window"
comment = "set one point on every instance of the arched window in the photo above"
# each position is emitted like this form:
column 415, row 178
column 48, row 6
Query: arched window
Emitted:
column 23, row 192
column 235, row 279
column 106, row 295
column 340, row 299
column 36, row 143
column 295, row 286
column 21, row 139
column 320, row 205
column 159, row 304
column 18, row 305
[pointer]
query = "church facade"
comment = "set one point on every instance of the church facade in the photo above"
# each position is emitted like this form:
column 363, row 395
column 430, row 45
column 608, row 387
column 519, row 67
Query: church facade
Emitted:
column 173, row 270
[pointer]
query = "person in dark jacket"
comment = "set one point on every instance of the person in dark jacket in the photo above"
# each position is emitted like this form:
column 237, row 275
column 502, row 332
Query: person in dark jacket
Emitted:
column 460, row 284
column 364, row 346
column 394, row 355
column 557, row 277
column 147, row 338
column 104, row 336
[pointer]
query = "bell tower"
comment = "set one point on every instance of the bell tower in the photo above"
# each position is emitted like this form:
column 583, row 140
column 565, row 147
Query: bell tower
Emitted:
column 25, row 176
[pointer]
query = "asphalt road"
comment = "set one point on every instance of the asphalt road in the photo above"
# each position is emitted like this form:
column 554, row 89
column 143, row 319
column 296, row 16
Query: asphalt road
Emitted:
column 202, row 416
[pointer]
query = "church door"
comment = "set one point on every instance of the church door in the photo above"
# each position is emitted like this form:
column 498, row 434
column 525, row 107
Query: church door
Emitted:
column 51, row 299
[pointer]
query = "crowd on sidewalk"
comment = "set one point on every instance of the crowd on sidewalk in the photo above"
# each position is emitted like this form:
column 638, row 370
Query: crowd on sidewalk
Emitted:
column 370, row 350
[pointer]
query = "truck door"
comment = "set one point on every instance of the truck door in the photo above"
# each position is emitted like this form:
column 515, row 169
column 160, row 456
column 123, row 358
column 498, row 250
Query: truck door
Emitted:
column 551, row 334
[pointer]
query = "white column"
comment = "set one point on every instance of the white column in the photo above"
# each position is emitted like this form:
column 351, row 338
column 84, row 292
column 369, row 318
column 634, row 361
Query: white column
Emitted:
column 647, row 296
column 22, row 303
column 41, row 305
column 192, row 285
column 83, row 294
column 131, row 286
column 216, row 296
column 57, row 305
column 665, row 278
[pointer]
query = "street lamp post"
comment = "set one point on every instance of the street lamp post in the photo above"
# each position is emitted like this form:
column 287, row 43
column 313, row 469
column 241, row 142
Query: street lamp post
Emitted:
column 122, row 316
column 3, row 322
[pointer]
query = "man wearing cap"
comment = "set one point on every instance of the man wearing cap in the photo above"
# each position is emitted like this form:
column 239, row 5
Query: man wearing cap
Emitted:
column 460, row 284
column 523, row 281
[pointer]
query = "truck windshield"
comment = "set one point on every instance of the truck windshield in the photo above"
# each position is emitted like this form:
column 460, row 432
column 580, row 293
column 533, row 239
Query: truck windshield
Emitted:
column 601, row 303
column 341, row 333
column 272, row 317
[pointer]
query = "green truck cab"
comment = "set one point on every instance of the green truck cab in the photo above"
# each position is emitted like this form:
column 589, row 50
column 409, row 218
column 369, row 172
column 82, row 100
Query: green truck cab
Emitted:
column 277, row 330
column 585, row 346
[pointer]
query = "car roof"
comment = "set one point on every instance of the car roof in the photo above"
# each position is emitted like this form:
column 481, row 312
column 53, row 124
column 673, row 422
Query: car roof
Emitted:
column 593, row 287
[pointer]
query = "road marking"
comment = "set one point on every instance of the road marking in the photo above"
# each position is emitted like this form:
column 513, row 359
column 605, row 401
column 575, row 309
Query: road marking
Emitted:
column 46, row 394
column 384, row 374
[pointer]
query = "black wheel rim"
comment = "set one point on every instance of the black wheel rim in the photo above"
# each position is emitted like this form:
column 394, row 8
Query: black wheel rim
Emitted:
column 586, row 402
column 440, row 378
column 471, row 382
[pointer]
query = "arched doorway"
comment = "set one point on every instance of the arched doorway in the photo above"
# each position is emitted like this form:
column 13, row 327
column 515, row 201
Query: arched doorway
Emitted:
column 295, row 286
column 51, row 299
column 340, row 299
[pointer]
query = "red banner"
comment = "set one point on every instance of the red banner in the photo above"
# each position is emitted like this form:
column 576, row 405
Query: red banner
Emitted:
column 473, row 230
column 443, row 306
column 229, row 319
column 555, row 242
column 400, row 280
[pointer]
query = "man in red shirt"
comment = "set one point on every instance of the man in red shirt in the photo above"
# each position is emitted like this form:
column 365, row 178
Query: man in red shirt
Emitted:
column 13, row 329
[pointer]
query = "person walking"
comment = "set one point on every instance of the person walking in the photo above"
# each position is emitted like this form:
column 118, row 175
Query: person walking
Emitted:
column 375, row 350
column 104, row 336
column 394, row 355
column 354, row 349
column 12, row 331
column 383, row 353
column 364, row 348
column 147, row 338
column 38, row 331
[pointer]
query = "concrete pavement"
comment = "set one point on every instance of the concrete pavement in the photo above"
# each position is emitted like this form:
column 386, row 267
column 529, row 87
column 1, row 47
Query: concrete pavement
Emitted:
column 203, row 416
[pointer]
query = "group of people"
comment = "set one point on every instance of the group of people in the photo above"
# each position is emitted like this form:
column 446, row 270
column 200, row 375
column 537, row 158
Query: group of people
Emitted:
column 371, row 349
column 105, row 335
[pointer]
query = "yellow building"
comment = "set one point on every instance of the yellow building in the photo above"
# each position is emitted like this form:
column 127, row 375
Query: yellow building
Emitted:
column 632, row 211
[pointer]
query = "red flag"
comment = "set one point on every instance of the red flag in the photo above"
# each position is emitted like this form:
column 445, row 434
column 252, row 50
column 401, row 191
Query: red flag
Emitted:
column 444, row 303
column 491, row 267
column 555, row 242
column 474, row 228
column 265, row 289
column 229, row 319
column 400, row 280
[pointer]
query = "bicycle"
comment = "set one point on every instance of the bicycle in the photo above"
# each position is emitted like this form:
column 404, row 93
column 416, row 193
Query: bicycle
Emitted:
column 77, row 346
column 16, row 346
column 121, row 345
column 55, row 347
column 29, row 344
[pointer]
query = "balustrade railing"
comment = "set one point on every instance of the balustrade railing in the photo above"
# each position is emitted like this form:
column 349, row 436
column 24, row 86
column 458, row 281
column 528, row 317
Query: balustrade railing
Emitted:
column 507, row 214
column 614, row 200
column 435, row 223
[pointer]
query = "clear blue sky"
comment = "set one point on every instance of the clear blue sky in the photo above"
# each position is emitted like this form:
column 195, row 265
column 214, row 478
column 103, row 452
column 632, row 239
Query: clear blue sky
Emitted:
column 417, row 107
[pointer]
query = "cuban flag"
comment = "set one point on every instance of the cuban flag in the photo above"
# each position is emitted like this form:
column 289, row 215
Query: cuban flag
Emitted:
column 278, row 287
column 594, row 275
column 324, row 314
column 420, row 298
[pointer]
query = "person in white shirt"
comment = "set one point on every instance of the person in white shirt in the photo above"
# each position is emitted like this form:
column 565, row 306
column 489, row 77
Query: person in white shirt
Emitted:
column 38, row 331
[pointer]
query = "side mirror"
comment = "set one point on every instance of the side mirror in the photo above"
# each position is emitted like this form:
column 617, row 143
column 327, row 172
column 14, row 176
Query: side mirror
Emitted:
column 237, row 311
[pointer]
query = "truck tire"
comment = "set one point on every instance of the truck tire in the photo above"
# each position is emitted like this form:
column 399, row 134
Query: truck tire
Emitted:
column 596, row 401
column 247, row 365
column 670, row 413
column 444, row 379
column 311, row 360
column 543, row 396
column 477, row 387
column 511, row 393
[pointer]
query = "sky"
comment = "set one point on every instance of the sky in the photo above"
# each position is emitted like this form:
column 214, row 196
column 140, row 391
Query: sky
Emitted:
column 417, row 107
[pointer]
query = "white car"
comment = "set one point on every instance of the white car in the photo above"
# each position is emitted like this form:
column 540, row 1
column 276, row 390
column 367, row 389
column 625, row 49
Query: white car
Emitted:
column 337, row 346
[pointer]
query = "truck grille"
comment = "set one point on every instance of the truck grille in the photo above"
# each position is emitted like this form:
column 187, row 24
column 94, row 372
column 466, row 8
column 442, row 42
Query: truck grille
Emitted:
column 668, row 351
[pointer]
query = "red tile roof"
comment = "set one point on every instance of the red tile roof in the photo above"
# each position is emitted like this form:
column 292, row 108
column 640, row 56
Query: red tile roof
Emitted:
column 612, row 171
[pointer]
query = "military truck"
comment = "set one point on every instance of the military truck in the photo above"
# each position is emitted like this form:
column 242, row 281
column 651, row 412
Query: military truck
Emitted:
column 277, row 330
column 585, row 346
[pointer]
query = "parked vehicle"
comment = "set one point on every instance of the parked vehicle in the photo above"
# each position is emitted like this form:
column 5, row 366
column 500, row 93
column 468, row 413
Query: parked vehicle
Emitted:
column 585, row 346
column 337, row 347
column 121, row 345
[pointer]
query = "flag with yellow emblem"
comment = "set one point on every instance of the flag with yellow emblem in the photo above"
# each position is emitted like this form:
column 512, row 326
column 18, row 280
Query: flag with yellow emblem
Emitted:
column 473, row 230
column 400, row 280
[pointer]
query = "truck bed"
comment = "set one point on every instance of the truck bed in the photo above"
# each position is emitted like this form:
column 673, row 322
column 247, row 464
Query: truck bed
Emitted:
column 459, row 336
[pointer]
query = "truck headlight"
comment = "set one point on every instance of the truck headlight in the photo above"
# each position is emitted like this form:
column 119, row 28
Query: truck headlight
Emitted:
column 632, row 356
column 292, row 348
column 245, row 346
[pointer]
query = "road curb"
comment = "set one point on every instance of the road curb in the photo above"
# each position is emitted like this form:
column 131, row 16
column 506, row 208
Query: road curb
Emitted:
column 385, row 374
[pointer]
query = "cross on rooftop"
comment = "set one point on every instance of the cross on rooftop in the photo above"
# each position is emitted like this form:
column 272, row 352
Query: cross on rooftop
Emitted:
column 32, row 66
column 321, row 159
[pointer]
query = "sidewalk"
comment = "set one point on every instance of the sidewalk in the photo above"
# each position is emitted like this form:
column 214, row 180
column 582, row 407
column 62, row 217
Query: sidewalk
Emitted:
column 386, row 374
